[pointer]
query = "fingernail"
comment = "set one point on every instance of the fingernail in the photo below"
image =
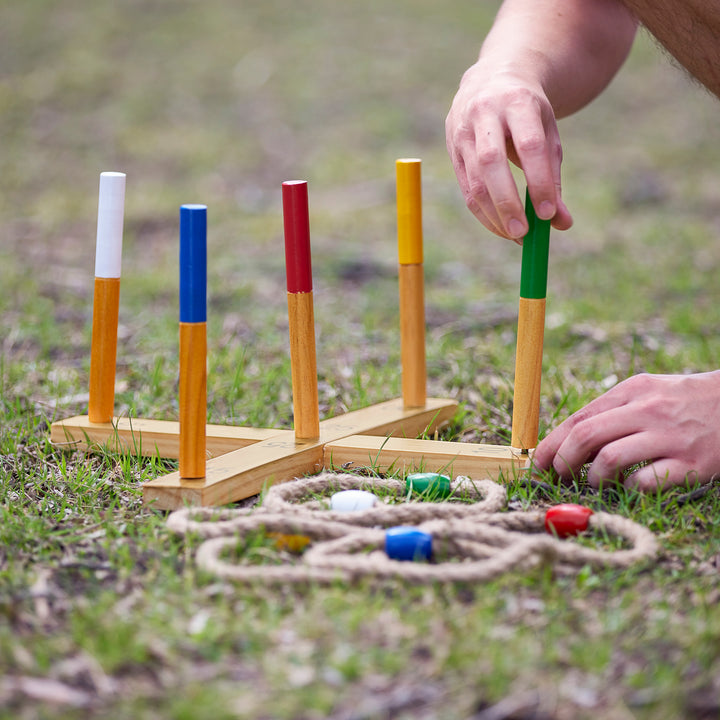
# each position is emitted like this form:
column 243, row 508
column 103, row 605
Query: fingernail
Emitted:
column 516, row 228
column 546, row 210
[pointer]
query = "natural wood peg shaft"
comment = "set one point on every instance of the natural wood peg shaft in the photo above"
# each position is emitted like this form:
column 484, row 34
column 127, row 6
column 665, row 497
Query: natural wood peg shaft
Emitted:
column 528, row 373
column 103, row 349
column 303, row 365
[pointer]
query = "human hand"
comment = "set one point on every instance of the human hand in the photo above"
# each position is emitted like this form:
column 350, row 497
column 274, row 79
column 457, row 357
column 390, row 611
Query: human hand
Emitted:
column 497, row 117
column 672, row 422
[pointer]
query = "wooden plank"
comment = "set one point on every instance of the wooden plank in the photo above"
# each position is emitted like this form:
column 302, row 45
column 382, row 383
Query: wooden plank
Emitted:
column 477, row 461
column 140, row 436
column 245, row 472
column 237, row 474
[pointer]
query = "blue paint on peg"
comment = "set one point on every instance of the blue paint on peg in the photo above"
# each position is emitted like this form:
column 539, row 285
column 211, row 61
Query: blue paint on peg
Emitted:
column 193, row 263
column 408, row 543
column 350, row 500
column 429, row 484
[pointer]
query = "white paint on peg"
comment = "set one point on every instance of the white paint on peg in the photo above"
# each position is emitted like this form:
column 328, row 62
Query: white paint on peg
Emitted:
column 111, row 209
column 350, row 500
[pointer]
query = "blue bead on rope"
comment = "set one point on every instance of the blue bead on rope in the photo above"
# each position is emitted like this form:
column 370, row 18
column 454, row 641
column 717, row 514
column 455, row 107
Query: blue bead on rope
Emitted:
column 408, row 543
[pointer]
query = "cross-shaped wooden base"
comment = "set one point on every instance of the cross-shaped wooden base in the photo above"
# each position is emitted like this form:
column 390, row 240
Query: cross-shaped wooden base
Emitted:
column 244, row 460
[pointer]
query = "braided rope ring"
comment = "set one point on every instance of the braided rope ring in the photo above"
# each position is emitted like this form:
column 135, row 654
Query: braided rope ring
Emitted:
column 476, row 543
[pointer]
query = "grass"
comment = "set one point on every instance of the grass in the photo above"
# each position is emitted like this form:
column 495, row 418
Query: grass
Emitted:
column 103, row 613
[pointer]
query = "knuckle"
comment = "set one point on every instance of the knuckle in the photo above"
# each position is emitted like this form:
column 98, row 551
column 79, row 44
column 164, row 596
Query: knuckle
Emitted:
column 505, row 207
column 476, row 192
column 458, row 135
column 635, row 387
column 523, row 96
column 641, row 381
column 530, row 143
column 488, row 155
column 480, row 105
column 608, row 463
column 580, row 416
column 582, row 435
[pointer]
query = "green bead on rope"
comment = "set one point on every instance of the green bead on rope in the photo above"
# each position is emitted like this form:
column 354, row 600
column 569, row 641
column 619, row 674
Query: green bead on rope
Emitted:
column 429, row 485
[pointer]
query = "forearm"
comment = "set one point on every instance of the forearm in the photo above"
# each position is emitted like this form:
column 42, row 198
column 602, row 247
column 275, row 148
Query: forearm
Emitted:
column 571, row 48
column 689, row 30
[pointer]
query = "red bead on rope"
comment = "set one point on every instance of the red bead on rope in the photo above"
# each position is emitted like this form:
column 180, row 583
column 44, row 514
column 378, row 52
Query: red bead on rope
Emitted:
column 567, row 519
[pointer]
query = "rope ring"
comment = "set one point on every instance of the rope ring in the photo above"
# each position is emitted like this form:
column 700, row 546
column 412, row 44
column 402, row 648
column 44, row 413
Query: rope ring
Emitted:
column 472, row 543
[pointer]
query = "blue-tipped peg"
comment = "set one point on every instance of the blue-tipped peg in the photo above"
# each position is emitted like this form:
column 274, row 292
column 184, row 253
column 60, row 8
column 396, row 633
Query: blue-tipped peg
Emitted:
column 408, row 543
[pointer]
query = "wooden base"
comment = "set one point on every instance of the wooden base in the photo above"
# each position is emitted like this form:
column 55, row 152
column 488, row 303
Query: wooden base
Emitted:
column 245, row 472
column 154, row 438
column 243, row 460
column 388, row 455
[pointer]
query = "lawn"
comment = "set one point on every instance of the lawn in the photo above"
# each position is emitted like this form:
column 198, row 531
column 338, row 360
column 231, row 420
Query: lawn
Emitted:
column 103, row 611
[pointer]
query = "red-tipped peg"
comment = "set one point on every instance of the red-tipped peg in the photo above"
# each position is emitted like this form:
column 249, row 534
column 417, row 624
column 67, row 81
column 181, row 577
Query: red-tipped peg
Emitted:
column 567, row 519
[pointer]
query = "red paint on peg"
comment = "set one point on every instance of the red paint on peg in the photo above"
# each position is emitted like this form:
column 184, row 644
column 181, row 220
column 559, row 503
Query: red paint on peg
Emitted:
column 567, row 519
column 297, row 236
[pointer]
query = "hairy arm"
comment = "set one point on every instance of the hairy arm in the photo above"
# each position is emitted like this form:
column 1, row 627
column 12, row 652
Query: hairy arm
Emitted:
column 542, row 59
column 689, row 30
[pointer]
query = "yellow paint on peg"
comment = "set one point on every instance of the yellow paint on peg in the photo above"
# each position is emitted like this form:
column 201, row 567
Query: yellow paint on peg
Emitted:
column 409, row 211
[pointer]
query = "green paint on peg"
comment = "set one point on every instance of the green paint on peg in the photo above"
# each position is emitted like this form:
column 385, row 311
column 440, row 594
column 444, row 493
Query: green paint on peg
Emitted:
column 536, row 246
column 428, row 484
